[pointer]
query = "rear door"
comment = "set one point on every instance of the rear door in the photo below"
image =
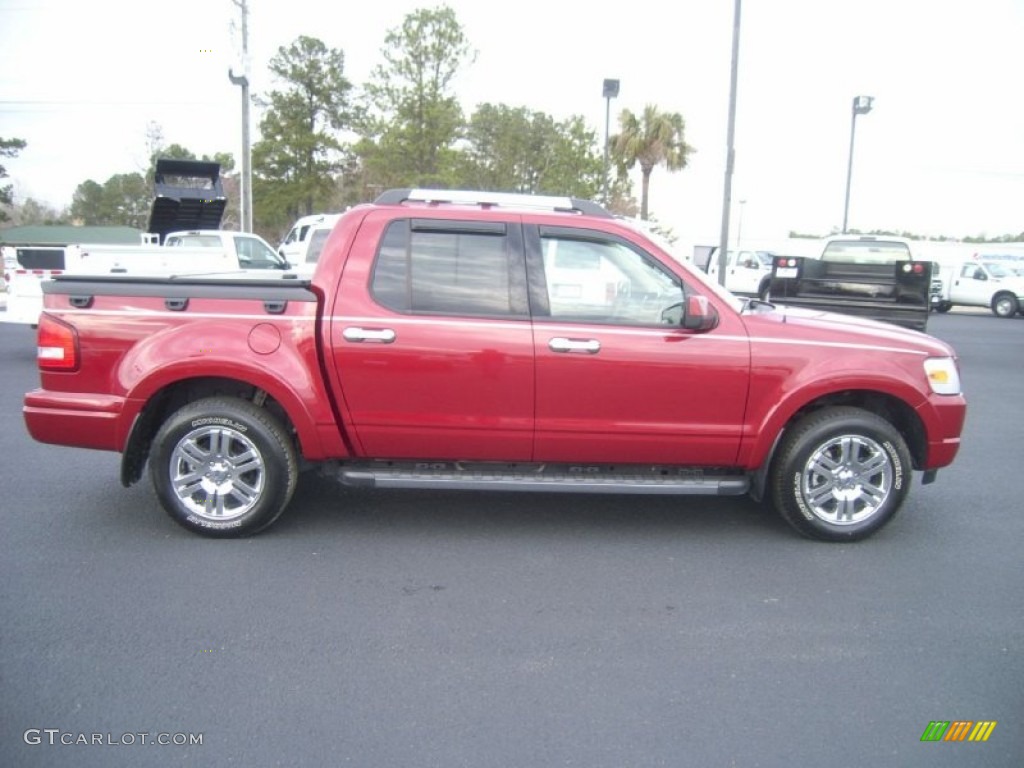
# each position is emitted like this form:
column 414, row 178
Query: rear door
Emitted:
column 430, row 338
column 618, row 380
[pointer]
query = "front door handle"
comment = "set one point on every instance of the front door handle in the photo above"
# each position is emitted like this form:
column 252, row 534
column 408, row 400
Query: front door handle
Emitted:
column 378, row 335
column 585, row 346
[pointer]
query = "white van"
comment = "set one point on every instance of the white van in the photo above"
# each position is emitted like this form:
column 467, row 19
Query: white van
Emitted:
column 313, row 245
column 747, row 272
column 294, row 244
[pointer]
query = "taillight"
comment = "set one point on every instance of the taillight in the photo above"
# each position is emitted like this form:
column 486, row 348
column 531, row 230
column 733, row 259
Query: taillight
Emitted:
column 58, row 345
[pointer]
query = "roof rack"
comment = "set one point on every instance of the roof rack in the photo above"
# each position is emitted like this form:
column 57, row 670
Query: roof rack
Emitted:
column 500, row 199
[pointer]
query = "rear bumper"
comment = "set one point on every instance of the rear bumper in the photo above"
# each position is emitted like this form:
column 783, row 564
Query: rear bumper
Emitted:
column 75, row 419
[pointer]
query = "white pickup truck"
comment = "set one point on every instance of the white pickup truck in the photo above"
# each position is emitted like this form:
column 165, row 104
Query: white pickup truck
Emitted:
column 747, row 272
column 981, row 283
column 204, row 251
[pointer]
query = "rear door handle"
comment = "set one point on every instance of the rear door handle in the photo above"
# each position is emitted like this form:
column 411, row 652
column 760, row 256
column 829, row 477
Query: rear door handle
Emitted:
column 378, row 335
column 584, row 346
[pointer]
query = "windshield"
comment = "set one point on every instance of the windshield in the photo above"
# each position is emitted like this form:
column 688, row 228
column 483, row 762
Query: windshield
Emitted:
column 996, row 270
column 316, row 244
column 866, row 251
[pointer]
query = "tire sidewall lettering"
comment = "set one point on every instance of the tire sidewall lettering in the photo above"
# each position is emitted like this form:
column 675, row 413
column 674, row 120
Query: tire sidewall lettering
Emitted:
column 897, row 465
column 213, row 525
column 798, row 494
column 220, row 421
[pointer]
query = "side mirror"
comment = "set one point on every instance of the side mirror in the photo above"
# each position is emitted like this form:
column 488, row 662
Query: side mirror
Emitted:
column 700, row 315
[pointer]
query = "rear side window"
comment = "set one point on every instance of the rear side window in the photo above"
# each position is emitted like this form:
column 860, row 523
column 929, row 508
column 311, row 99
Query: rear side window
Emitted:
column 194, row 241
column 449, row 267
column 41, row 258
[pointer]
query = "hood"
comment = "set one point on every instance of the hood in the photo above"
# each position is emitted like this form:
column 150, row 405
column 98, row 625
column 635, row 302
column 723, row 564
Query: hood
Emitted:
column 832, row 327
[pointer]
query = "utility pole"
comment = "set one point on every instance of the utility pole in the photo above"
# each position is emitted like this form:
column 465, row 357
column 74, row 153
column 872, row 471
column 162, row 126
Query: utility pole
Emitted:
column 243, row 80
column 730, row 154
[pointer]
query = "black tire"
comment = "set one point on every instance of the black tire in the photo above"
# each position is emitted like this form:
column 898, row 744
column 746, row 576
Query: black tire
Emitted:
column 1004, row 305
column 943, row 306
column 233, row 445
column 763, row 292
column 840, row 474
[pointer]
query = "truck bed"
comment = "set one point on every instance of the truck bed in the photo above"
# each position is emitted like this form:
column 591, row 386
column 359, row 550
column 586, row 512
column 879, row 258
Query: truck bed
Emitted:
column 896, row 293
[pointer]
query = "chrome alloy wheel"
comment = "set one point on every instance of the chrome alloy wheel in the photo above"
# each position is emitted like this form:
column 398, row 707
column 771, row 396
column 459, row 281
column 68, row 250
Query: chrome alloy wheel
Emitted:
column 217, row 472
column 847, row 479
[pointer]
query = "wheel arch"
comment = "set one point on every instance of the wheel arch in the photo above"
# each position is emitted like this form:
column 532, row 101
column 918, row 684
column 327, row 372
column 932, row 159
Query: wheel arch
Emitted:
column 893, row 409
column 160, row 404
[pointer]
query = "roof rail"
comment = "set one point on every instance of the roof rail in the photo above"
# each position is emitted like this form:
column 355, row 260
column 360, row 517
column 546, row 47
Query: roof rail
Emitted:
column 502, row 199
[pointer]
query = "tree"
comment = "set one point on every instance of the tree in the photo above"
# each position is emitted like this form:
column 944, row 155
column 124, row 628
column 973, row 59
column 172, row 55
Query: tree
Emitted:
column 31, row 212
column 8, row 148
column 295, row 162
column 655, row 138
column 414, row 118
column 513, row 149
column 122, row 200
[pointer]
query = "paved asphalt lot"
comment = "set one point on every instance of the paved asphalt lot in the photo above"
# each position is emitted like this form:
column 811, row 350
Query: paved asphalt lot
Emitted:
column 384, row 629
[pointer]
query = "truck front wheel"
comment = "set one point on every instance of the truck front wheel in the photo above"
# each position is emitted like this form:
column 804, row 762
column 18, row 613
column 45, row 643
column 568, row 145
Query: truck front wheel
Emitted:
column 222, row 467
column 1004, row 305
column 840, row 474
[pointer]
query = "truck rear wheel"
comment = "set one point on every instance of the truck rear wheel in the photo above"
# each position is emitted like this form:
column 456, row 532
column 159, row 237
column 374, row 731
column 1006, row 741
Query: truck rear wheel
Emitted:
column 1004, row 305
column 222, row 467
column 840, row 474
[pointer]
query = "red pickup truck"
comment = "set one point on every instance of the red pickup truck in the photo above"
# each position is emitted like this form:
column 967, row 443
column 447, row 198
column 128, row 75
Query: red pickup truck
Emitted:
column 490, row 341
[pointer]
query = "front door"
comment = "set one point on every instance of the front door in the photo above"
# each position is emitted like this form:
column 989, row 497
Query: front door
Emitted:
column 618, row 380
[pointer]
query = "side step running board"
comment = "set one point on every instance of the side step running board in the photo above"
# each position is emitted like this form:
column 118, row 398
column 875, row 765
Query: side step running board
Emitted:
column 668, row 481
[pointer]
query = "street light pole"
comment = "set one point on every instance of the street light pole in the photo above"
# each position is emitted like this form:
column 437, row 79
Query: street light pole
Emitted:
column 610, row 91
column 861, row 106
column 245, row 192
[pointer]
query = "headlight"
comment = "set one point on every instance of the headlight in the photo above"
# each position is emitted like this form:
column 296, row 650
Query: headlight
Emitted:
column 943, row 377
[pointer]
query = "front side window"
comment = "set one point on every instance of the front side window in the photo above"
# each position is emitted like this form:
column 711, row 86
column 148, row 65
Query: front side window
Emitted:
column 445, row 267
column 254, row 254
column 606, row 281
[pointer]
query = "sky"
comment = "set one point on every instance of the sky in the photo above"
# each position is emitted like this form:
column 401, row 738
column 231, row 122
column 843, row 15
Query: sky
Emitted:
column 940, row 154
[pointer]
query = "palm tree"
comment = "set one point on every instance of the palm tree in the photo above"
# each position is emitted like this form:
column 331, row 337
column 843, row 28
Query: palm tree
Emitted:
column 654, row 139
